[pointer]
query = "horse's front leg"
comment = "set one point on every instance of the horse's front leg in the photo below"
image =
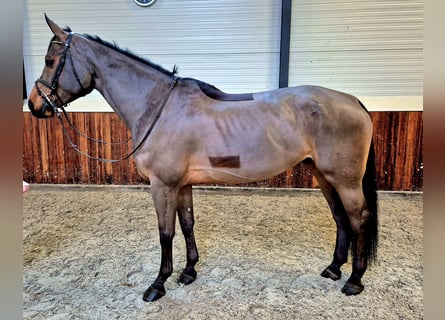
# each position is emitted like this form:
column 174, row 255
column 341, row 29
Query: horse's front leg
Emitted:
column 165, row 201
column 186, row 219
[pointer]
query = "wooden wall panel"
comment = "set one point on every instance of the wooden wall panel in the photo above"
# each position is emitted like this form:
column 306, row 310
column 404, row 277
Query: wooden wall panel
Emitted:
column 48, row 157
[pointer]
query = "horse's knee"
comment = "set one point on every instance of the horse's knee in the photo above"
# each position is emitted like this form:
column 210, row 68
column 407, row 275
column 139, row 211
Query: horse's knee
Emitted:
column 166, row 238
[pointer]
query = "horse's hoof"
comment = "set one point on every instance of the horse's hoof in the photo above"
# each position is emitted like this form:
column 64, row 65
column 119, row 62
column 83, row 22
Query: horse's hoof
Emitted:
column 328, row 273
column 186, row 278
column 351, row 289
column 153, row 294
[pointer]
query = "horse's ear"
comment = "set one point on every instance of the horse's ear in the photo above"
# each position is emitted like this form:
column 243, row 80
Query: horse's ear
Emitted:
column 58, row 31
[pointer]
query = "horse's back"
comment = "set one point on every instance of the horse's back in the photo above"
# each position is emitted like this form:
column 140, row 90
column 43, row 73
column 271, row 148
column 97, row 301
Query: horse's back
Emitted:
column 319, row 95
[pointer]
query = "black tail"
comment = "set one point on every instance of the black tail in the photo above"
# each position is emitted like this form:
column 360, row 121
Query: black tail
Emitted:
column 370, row 191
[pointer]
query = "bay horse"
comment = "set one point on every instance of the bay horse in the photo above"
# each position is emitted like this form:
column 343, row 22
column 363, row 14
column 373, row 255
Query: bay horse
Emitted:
column 188, row 132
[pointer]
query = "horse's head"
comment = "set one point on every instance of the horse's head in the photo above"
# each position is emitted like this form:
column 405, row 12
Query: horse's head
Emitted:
column 65, row 76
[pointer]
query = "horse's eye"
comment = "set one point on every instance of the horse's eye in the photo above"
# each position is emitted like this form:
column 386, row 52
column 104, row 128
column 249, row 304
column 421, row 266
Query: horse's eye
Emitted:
column 49, row 62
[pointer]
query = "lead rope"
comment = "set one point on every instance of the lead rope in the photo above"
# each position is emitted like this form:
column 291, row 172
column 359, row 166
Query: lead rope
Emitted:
column 74, row 146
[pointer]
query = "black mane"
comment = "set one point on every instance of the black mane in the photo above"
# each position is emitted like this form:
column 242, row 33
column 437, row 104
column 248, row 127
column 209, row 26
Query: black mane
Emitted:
column 207, row 88
column 129, row 54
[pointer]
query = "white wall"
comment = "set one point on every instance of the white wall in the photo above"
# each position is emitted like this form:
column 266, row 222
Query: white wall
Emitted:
column 372, row 49
column 232, row 44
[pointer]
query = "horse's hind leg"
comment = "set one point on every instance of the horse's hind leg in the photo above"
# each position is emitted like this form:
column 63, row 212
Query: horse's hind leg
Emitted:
column 360, row 221
column 343, row 239
column 186, row 219
column 356, row 224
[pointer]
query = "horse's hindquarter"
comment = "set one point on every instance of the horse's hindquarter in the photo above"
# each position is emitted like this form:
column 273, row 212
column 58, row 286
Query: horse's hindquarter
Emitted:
column 342, row 134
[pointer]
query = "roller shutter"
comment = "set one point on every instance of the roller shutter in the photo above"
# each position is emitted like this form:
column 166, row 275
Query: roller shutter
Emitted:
column 372, row 49
column 231, row 44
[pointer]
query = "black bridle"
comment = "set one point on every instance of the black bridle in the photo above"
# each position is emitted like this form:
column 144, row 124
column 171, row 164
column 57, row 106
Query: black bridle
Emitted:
column 54, row 84
column 56, row 109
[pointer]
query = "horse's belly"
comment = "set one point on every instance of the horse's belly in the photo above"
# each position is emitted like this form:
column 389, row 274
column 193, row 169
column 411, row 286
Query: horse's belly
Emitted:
column 239, row 169
column 233, row 152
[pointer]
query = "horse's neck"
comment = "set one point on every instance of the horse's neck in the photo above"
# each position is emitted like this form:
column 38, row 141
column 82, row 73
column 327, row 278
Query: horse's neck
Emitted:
column 132, row 89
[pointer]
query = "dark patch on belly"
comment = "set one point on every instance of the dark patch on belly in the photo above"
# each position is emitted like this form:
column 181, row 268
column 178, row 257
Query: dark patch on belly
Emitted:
column 225, row 162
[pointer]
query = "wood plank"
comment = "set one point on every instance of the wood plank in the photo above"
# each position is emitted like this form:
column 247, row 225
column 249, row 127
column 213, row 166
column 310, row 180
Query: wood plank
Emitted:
column 48, row 158
column 415, row 142
column 71, row 162
column 108, row 168
column 98, row 134
column 59, row 173
column 28, row 157
column 44, row 153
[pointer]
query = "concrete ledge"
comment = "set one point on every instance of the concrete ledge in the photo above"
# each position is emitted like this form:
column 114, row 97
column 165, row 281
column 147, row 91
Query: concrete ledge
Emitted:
column 208, row 189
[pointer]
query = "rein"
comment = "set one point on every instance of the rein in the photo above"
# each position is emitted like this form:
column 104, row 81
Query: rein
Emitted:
column 84, row 135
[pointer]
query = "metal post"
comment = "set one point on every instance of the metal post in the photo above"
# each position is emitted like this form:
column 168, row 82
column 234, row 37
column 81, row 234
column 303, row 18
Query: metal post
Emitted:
column 286, row 10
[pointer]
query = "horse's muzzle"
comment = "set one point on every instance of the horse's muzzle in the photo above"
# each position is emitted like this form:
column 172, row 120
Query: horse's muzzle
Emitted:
column 47, row 110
